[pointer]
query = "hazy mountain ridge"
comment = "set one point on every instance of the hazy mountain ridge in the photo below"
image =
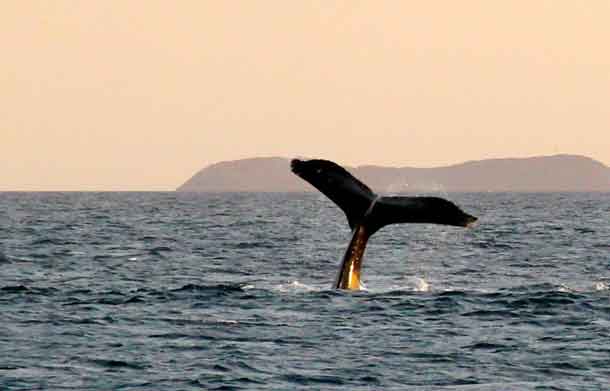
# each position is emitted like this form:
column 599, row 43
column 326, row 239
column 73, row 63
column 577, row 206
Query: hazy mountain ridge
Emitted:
column 535, row 174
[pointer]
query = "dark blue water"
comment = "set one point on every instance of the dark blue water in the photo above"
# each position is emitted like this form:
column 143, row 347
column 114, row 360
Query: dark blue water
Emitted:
column 165, row 291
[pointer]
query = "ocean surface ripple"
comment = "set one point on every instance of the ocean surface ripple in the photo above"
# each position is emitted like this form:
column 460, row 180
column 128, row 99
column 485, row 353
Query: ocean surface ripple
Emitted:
column 178, row 291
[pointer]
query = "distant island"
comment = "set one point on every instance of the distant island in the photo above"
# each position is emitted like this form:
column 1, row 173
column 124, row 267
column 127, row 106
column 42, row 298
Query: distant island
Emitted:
column 558, row 173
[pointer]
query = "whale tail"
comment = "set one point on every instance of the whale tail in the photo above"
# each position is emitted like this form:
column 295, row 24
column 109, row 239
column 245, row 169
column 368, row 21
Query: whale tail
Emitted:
column 367, row 213
column 363, row 207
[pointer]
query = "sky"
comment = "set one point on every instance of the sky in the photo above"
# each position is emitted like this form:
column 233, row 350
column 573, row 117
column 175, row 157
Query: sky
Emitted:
column 141, row 94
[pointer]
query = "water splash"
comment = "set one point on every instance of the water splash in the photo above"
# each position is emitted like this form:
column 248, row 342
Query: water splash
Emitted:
column 413, row 284
column 421, row 285
column 296, row 286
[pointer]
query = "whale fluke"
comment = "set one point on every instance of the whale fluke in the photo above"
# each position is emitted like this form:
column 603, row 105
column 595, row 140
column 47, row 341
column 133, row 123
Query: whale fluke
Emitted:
column 367, row 213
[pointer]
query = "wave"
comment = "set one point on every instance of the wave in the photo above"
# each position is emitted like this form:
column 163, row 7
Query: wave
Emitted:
column 217, row 288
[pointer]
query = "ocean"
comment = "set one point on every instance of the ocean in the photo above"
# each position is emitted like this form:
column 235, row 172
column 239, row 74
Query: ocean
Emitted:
column 186, row 291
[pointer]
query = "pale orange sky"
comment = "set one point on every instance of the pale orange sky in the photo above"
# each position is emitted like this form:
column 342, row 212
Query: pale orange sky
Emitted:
column 139, row 95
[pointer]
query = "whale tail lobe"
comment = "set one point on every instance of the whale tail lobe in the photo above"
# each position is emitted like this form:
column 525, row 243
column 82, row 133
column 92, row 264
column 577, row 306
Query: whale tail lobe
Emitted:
column 352, row 196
